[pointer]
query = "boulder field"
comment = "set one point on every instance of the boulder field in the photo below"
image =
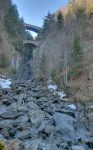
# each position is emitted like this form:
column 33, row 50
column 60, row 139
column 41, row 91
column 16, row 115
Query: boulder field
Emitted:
column 33, row 118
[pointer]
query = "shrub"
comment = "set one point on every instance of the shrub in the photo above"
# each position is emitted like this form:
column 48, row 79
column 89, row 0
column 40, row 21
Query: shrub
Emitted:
column 78, row 53
column 74, row 73
column 77, row 56
column 2, row 146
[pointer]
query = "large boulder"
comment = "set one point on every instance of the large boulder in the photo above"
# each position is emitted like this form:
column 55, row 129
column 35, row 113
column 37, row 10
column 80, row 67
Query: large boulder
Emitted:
column 31, row 106
column 21, row 119
column 65, row 125
column 23, row 135
column 32, row 144
column 20, row 99
column 5, row 123
column 78, row 148
column 36, row 117
column 8, row 114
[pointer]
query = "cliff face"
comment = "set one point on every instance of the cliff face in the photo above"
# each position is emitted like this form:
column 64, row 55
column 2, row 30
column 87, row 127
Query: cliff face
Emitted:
column 10, row 58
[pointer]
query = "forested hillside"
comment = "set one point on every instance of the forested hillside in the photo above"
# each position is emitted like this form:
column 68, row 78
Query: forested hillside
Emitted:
column 65, row 54
column 74, row 5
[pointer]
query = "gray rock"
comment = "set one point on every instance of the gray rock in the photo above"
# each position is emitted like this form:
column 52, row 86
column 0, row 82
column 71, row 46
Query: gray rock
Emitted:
column 30, row 99
column 23, row 135
column 8, row 114
column 31, row 106
column 90, row 126
column 90, row 117
column 20, row 99
column 22, row 108
column 5, row 133
column 42, row 126
column 78, row 148
column 49, row 129
column 32, row 144
column 12, row 132
column 36, row 117
column 90, row 142
column 24, row 126
column 5, row 101
column 12, row 106
column 80, row 131
column 65, row 124
column 47, row 146
column 5, row 123
column 2, row 109
column 22, row 119
column 68, row 112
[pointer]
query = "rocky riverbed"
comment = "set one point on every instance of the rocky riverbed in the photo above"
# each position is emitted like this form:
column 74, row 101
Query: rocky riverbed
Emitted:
column 33, row 118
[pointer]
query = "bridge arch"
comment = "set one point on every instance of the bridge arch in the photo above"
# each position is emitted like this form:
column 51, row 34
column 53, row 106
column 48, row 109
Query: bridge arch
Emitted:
column 33, row 28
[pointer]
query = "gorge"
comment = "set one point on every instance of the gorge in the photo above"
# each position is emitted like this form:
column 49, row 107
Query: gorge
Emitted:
column 46, row 83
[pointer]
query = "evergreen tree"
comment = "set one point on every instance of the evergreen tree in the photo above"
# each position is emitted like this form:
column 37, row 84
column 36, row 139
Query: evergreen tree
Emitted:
column 60, row 20
column 48, row 23
column 12, row 20
column 77, row 57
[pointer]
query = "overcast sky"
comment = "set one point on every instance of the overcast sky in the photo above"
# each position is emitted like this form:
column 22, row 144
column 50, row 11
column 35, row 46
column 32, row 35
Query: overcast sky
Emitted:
column 33, row 11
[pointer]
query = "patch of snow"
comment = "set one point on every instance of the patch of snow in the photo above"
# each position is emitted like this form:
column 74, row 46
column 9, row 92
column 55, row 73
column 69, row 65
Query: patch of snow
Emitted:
column 91, row 106
column 5, row 83
column 65, row 99
column 62, row 95
column 52, row 87
column 72, row 106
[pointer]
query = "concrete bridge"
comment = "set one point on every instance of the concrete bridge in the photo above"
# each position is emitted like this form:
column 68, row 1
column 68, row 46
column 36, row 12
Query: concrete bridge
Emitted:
column 35, row 29
column 32, row 28
column 33, row 43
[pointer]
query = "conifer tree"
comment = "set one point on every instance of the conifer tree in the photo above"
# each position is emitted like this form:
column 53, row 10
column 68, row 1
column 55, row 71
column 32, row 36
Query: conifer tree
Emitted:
column 60, row 20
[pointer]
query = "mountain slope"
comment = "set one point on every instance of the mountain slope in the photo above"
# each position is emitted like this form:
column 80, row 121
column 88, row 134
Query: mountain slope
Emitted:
column 66, row 52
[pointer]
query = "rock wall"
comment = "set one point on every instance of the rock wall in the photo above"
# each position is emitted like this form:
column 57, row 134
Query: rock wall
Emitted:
column 12, row 57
